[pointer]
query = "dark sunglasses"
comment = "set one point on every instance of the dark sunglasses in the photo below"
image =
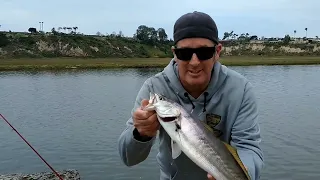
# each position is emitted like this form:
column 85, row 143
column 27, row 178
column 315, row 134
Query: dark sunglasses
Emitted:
column 203, row 53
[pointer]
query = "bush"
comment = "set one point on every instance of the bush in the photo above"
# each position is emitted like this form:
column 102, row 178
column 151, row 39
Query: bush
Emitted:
column 4, row 41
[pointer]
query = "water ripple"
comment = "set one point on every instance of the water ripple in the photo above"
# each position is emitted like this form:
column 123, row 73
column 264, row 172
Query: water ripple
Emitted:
column 74, row 118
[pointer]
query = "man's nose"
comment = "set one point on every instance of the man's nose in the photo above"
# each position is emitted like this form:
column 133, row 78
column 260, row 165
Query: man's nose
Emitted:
column 194, row 60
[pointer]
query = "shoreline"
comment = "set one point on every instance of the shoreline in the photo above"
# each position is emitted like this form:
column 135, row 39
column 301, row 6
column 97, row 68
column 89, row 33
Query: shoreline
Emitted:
column 63, row 63
column 68, row 174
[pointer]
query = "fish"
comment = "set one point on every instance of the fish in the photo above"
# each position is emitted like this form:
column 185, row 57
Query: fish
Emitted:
column 196, row 140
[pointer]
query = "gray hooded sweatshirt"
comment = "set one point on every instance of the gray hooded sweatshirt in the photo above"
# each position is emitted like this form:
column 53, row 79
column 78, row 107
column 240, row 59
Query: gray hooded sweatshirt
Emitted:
column 228, row 106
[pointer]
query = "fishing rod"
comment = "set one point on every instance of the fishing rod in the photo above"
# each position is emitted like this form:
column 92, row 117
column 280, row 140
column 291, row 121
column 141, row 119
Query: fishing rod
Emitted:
column 30, row 146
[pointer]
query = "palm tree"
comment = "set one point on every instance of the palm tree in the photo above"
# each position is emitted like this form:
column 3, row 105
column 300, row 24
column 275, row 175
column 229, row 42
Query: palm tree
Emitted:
column 306, row 29
column 69, row 29
column 295, row 31
column 75, row 29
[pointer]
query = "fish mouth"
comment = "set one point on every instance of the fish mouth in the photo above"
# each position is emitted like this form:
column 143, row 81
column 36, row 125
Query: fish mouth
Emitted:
column 165, row 110
column 168, row 119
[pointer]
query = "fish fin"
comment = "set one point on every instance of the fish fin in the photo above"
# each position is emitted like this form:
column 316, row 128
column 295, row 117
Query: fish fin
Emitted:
column 235, row 155
column 232, row 150
column 176, row 151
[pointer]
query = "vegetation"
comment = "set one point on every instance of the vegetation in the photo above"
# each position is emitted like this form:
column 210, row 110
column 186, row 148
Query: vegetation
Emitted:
column 98, row 63
column 147, row 42
column 66, row 47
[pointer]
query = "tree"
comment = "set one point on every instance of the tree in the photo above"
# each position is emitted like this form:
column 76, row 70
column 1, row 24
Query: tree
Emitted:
column 113, row 34
column 227, row 35
column 75, row 29
column 142, row 33
column 242, row 37
column 294, row 32
column 146, row 34
column 4, row 41
column 234, row 36
column 286, row 39
column 152, row 34
column 53, row 30
column 99, row 33
column 120, row 34
column 254, row 37
column 162, row 35
column 69, row 29
column 32, row 30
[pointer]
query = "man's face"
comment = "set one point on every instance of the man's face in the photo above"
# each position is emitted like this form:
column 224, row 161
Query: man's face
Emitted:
column 195, row 69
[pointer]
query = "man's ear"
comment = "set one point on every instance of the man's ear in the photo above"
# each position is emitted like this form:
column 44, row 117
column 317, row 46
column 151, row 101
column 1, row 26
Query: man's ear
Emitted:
column 174, row 55
column 218, row 50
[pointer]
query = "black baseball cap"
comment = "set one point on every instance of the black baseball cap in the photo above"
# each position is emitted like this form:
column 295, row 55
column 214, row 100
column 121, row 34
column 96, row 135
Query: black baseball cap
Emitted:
column 195, row 24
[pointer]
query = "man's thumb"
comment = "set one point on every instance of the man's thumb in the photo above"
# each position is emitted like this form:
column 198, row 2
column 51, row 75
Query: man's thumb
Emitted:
column 144, row 103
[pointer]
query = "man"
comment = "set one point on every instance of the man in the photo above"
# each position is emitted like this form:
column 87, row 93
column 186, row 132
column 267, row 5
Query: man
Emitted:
column 213, row 93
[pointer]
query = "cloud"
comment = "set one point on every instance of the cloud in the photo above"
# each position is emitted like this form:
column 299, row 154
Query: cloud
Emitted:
column 269, row 18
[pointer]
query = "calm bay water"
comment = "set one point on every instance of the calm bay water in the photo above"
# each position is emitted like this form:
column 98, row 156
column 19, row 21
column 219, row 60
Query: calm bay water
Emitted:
column 73, row 118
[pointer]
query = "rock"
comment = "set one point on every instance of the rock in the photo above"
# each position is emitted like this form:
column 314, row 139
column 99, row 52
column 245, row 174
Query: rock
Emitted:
column 69, row 174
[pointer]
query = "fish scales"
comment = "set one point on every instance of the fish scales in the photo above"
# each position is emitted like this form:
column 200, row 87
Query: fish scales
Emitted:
column 195, row 140
column 206, row 151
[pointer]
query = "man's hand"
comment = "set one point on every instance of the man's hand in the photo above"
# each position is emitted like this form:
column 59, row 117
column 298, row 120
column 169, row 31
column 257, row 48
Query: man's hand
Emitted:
column 145, row 122
column 210, row 177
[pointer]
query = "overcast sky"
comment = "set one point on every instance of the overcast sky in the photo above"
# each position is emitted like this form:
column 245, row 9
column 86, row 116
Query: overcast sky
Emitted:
column 257, row 17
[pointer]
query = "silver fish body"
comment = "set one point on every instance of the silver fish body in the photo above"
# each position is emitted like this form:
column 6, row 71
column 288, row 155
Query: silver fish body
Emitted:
column 193, row 138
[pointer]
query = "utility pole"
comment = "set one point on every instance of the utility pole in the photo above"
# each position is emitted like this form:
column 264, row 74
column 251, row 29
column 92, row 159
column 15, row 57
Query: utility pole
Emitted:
column 41, row 26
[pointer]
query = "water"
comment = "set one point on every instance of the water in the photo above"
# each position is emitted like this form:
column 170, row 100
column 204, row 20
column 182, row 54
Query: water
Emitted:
column 73, row 118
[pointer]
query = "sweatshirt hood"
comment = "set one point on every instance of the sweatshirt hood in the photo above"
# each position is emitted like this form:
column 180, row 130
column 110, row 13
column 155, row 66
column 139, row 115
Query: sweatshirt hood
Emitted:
column 218, row 77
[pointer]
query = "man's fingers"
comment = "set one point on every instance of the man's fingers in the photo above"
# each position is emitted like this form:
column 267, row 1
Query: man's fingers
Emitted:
column 145, row 119
column 142, row 115
column 210, row 177
column 147, row 123
column 143, row 123
column 157, row 126
column 144, row 103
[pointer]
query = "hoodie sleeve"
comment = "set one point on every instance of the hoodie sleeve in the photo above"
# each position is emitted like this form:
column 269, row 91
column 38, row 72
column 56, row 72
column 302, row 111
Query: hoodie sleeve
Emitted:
column 245, row 135
column 133, row 148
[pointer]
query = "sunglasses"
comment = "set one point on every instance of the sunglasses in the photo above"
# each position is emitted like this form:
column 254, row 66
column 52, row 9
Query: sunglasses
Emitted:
column 203, row 53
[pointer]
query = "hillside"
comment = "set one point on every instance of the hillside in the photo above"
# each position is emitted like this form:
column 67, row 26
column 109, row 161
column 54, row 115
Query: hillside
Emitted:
column 38, row 45
column 15, row 45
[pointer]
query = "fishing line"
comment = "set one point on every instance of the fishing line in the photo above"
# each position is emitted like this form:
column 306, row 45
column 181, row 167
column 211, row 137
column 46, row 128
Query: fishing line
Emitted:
column 30, row 146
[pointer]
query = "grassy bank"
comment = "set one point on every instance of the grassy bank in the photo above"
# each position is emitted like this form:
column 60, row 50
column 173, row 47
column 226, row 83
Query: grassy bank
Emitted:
column 98, row 63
